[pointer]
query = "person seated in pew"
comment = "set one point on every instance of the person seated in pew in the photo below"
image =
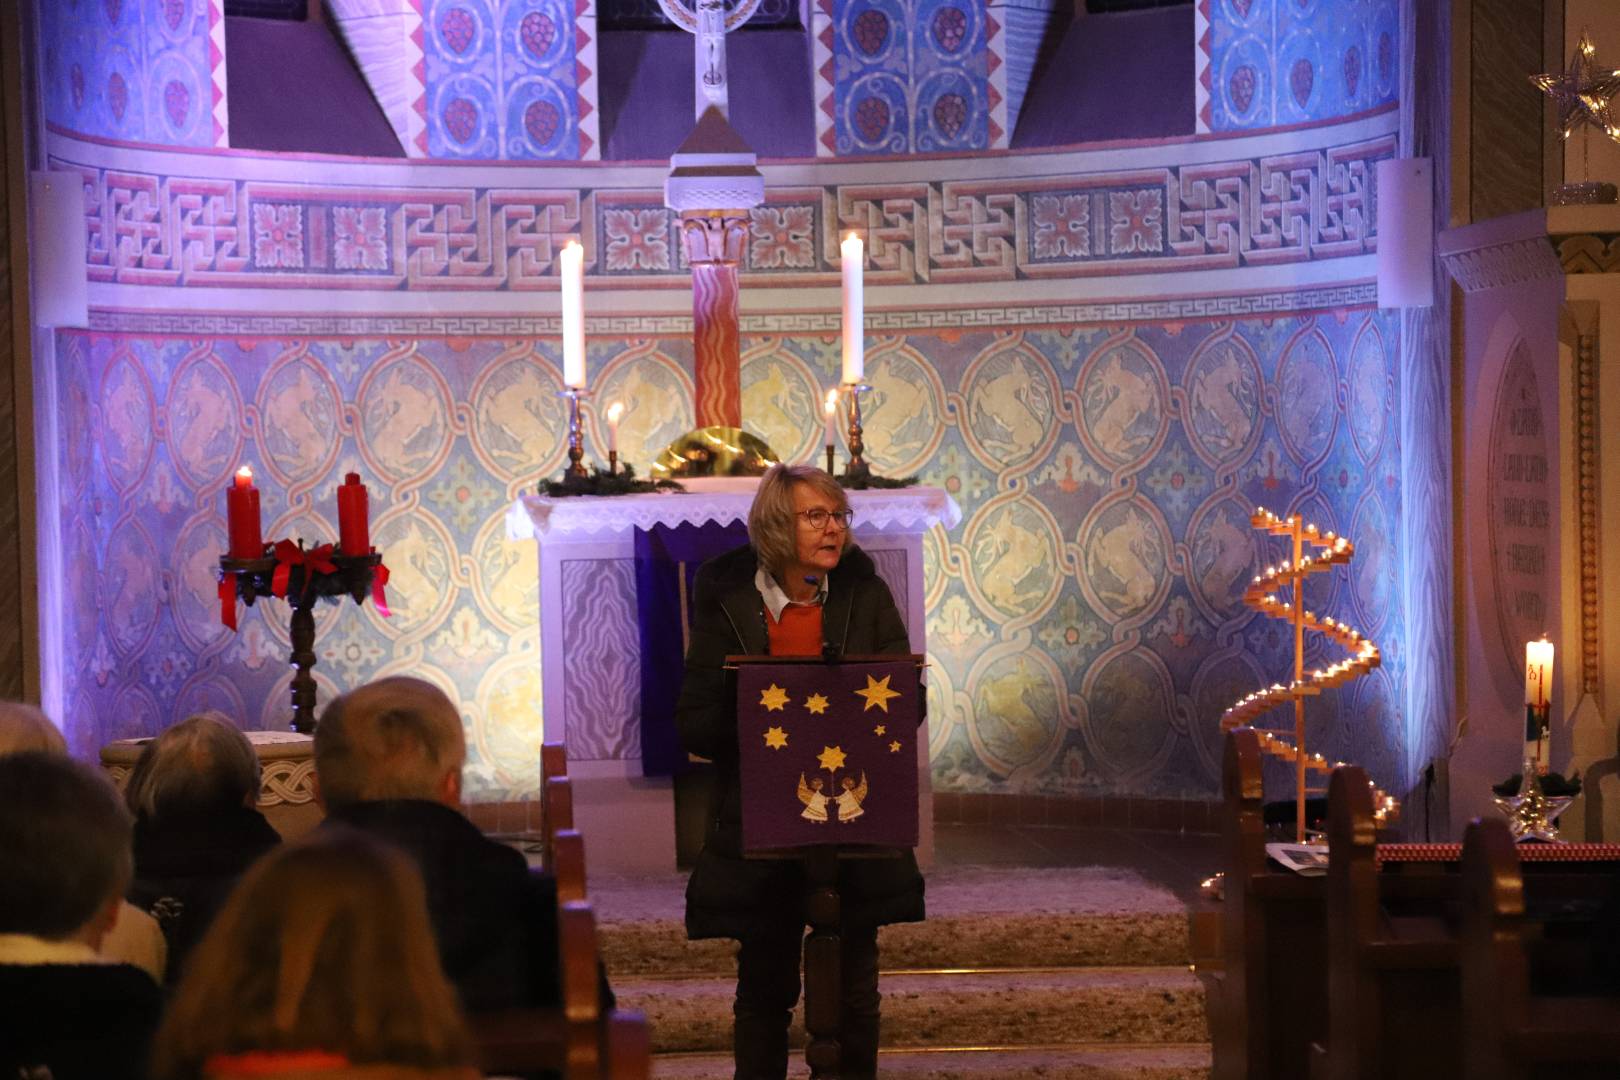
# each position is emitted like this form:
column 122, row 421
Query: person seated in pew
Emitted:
column 799, row 587
column 135, row 937
column 194, row 792
column 388, row 760
column 320, row 966
column 66, row 1013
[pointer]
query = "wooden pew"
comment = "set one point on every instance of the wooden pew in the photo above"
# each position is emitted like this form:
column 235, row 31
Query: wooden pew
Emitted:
column 568, row 865
column 1269, row 1003
column 1395, row 945
column 1394, row 993
column 1514, row 1033
column 556, row 797
column 578, row 1040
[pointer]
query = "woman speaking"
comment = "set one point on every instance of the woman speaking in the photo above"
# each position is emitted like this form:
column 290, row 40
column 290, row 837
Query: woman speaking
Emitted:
column 798, row 588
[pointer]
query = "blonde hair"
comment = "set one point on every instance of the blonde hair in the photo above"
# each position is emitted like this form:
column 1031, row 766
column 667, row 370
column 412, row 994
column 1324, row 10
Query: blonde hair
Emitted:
column 395, row 738
column 773, row 523
column 25, row 727
column 324, row 945
column 201, row 763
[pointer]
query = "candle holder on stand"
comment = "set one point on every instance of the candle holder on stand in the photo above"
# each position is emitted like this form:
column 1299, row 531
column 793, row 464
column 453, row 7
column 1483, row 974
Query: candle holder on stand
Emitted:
column 305, row 582
column 576, row 444
column 857, row 469
column 1531, row 813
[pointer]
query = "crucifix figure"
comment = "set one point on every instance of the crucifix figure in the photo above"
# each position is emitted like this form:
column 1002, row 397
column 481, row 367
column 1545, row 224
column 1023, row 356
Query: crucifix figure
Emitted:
column 709, row 21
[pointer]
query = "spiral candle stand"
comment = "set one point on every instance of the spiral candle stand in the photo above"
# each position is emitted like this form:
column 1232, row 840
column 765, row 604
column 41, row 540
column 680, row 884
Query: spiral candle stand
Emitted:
column 353, row 577
column 1312, row 552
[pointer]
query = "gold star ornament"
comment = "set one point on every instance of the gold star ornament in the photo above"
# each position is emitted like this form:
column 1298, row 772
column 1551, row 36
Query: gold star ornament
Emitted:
column 894, row 747
column 881, row 729
column 816, row 704
column 1583, row 91
column 877, row 693
column 775, row 738
column 773, row 698
column 831, row 758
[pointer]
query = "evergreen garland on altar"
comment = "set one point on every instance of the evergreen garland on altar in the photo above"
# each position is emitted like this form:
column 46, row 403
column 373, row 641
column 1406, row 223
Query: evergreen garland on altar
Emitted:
column 599, row 482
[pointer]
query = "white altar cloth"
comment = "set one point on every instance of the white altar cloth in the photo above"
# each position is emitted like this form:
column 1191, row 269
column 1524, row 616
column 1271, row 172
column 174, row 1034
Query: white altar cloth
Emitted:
column 538, row 516
column 590, row 650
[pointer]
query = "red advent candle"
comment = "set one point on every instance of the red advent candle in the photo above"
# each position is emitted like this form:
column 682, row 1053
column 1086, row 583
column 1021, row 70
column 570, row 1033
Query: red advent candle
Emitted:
column 242, row 516
column 354, row 525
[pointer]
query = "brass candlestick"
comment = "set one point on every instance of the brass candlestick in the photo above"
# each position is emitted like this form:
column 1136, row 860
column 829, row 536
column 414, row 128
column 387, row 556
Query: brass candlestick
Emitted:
column 857, row 469
column 576, row 445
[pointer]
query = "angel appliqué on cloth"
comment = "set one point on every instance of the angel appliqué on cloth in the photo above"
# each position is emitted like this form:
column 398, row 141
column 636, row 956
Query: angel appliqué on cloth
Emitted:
column 848, row 802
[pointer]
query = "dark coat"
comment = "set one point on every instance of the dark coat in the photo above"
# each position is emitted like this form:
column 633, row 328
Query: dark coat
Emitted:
column 495, row 920
column 81, row 1021
column 187, row 864
column 728, row 894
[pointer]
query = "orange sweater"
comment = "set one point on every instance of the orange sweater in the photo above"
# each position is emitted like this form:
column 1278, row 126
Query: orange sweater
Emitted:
column 799, row 632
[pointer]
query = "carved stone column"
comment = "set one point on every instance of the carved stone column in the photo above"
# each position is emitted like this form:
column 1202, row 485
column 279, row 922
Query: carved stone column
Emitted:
column 713, row 181
column 713, row 241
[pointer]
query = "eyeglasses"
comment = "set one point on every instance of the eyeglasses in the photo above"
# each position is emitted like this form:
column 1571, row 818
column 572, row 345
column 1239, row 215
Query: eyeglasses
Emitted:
column 818, row 518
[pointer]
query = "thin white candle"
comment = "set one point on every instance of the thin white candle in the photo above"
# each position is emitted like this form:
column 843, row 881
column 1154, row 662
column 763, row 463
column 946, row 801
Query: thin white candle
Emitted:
column 1538, row 666
column 615, row 413
column 572, row 262
column 853, row 258
column 829, row 409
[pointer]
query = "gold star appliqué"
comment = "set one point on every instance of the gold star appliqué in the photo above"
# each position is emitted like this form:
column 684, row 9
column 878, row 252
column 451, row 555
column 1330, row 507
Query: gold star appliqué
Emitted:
column 816, row 704
column 831, row 758
column 773, row 698
column 775, row 738
column 881, row 729
column 877, row 693
column 894, row 747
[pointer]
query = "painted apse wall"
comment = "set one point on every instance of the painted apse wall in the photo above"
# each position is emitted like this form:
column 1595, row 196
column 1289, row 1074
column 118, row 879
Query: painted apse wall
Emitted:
column 1108, row 358
column 1085, row 622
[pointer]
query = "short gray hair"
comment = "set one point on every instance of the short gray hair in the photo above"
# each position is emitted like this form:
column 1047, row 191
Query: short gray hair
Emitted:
column 773, row 524
column 24, row 727
column 395, row 738
column 201, row 763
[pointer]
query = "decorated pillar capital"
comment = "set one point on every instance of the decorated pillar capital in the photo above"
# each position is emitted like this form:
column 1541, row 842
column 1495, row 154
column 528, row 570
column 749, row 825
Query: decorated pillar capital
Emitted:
column 714, row 237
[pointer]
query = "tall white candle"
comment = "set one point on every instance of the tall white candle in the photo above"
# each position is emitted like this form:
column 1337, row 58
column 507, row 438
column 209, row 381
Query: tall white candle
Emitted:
column 615, row 413
column 853, row 259
column 1538, row 666
column 572, row 261
column 829, row 408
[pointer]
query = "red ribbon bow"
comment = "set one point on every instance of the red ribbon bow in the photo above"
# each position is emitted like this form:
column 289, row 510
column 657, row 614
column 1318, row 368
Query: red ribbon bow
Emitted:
column 378, row 580
column 227, row 600
column 288, row 555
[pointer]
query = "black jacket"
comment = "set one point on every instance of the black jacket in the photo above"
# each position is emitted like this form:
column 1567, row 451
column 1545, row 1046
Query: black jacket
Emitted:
column 187, row 864
column 494, row 918
column 728, row 894
column 80, row 1021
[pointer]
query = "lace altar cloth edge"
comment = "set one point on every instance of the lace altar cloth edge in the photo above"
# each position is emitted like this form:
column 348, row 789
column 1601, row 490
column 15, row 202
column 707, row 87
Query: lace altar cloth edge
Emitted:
column 534, row 517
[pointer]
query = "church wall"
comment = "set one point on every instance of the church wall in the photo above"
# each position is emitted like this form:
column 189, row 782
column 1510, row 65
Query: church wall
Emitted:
column 1083, row 619
column 149, row 71
column 1273, row 63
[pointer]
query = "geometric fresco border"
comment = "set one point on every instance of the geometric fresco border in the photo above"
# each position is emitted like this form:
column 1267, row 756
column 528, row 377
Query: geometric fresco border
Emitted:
column 1294, row 207
column 210, row 324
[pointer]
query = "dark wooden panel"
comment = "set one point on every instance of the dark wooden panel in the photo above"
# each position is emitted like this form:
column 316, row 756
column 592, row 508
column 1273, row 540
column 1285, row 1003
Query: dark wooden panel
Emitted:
column 1505, row 113
column 13, row 331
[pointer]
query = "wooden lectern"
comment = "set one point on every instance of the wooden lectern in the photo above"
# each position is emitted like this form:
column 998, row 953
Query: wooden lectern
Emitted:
column 825, row 756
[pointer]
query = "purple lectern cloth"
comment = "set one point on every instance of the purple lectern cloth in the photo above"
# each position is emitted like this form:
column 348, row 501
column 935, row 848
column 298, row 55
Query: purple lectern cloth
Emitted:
column 828, row 753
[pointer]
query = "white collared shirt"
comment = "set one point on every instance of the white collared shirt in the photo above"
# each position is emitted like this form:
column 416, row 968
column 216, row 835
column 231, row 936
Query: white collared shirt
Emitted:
column 775, row 599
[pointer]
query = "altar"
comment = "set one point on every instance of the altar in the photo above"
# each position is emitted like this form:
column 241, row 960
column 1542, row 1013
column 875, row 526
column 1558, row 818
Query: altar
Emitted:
column 590, row 649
